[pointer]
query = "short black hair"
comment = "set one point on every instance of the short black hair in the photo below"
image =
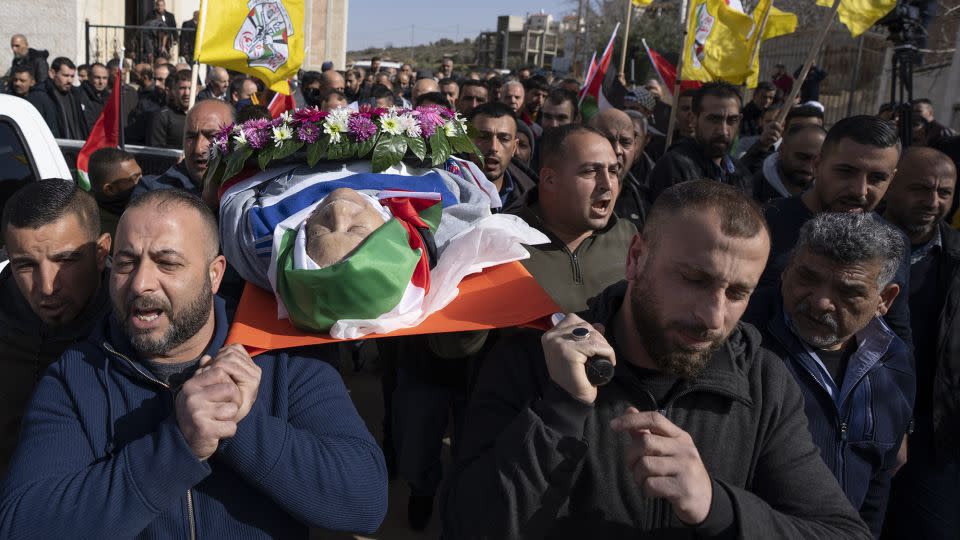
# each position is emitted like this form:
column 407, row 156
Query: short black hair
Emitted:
column 447, row 80
column 375, row 59
column 102, row 163
column 44, row 202
column 83, row 67
column 536, row 82
column 333, row 92
column 236, row 85
column 310, row 77
column 177, row 77
column 922, row 101
column 22, row 68
column 886, row 107
column 379, row 91
column 862, row 129
column 558, row 96
column 803, row 111
column 251, row 112
column 740, row 216
column 95, row 64
column 164, row 198
column 553, row 141
column 493, row 109
column 717, row 89
column 432, row 98
column 765, row 86
column 61, row 61
column 474, row 82
column 689, row 92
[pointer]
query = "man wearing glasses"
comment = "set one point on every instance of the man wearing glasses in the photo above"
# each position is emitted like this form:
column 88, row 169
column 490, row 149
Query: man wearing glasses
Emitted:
column 716, row 109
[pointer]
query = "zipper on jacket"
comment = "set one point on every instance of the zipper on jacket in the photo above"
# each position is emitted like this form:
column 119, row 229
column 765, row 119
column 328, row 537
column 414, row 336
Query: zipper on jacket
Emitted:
column 577, row 275
column 190, row 517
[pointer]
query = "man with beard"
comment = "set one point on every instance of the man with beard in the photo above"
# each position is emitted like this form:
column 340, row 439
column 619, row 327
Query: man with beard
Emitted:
column 618, row 128
column 51, row 293
column 825, row 324
column 114, row 174
column 716, row 108
column 573, row 205
column 924, row 493
column 203, row 122
column 701, row 433
column 155, row 427
column 21, row 81
column 59, row 101
column 789, row 170
column 857, row 161
column 495, row 134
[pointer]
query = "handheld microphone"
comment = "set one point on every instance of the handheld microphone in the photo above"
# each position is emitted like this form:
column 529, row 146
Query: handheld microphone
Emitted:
column 599, row 369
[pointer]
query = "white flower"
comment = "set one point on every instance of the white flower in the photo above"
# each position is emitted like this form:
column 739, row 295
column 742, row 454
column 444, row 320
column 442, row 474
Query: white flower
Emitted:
column 410, row 125
column 392, row 124
column 282, row 133
column 239, row 137
column 336, row 123
column 450, row 129
column 334, row 130
column 340, row 115
column 286, row 117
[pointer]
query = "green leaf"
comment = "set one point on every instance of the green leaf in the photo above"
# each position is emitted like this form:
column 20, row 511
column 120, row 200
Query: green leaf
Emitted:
column 288, row 149
column 265, row 156
column 235, row 162
column 337, row 151
column 463, row 144
column 366, row 147
column 417, row 146
column 317, row 150
column 439, row 148
column 212, row 168
column 389, row 151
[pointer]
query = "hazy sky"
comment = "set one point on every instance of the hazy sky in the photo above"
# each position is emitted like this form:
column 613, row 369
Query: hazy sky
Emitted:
column 374, row 23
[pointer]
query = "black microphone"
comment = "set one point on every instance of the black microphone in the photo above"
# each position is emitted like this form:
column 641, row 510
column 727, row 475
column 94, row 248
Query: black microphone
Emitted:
column 599, row 369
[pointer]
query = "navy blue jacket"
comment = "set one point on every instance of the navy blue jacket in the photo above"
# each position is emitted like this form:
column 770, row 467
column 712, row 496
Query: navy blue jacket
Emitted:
column 859, row 432
column 101, row 454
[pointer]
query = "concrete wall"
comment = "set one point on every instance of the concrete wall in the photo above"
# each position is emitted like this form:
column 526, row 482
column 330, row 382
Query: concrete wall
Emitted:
column 326, row 22
column 48, row 24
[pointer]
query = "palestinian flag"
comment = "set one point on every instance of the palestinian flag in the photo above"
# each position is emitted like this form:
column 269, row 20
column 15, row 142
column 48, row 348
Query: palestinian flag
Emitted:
column 105, row 132
column 387, row 276
column 667, row 72
column 592, row 96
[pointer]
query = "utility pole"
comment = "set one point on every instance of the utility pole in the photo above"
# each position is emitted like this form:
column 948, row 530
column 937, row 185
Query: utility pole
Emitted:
column 575, row 66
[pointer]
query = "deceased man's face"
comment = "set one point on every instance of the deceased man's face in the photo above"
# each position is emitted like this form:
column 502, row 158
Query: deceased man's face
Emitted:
column 338, row 225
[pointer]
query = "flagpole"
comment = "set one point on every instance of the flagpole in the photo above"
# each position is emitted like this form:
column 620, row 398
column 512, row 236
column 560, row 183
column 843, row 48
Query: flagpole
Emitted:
column 198, row 41
column 626, row 39
column 755, row 53
column 676, row 83
column 788, row 104
column 121, row 140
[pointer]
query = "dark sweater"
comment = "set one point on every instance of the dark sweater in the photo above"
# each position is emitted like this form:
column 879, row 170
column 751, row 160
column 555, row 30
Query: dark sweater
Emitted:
column 536, row 463
column 686, row 160
column 102, row 455
column 785, row 217
column 166, row 128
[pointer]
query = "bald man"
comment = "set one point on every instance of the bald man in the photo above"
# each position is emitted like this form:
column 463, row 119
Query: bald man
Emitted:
column 218, row 85
column 203, row 121
column 331, row 80
column 23, row 55
column 924, row 492
column 424, row 86
column 511, row 94
column 618, row 128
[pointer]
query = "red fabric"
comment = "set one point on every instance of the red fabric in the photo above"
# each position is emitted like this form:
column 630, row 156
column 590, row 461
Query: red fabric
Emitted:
column 668, row 73
column 406, row 210
column 280, row 104
column 595, row 84
column 106, row 130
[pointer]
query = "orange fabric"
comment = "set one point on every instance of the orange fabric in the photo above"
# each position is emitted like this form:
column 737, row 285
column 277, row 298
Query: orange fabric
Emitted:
column 499, row 297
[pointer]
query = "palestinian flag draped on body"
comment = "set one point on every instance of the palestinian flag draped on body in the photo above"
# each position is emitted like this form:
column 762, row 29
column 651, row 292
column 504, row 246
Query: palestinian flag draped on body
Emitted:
column 859, row 15
column 592, row 97
column 774, row 23
column 105, row 132
column 263, row 38
column 716, row 44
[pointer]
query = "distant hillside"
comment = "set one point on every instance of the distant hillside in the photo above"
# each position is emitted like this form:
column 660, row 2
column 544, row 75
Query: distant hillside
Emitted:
column 426, row 56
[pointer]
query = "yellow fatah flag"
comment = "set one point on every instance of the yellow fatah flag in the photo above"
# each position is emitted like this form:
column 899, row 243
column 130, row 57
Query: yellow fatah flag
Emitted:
column 779, row 23
column 716, row 43
column 263, row 38
column 642, row 3
column 859, row 15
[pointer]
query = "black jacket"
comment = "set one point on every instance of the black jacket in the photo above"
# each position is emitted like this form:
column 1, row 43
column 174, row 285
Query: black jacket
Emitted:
column 27, row 348
column 166, row 128
column 686, row 161
column 37, row 62
column 946, row 379
column 92, row 102
column 536, row 463
column 44, row 98
column 752, row 122
column 633, row 203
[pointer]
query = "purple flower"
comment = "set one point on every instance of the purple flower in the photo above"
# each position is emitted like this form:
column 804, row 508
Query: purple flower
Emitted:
column 361, row 127
column 222, row 139
column 308, row 133
column 430, row 118
column 256, row 123
column 257, row 138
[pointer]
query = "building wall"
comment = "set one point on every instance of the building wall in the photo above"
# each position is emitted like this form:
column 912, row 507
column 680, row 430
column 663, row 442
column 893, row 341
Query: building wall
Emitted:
column 326, row 22
column 52, row 25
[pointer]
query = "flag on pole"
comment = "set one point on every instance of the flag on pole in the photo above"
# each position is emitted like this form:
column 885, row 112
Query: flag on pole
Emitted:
column 860, row 15
column 592, row 98
column 105, row 132
column 716, row 43
column 591, row 69
column 281, row 103
column 667, row 72
column 774, row 23
column 263, row 38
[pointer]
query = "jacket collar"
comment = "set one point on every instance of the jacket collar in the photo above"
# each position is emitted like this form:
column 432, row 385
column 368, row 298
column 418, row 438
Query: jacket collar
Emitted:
column 529, row 211
column 725, row 373
column 116, row 344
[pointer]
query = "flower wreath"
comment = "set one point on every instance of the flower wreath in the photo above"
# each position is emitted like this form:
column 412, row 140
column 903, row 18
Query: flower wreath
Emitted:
column 431, row 134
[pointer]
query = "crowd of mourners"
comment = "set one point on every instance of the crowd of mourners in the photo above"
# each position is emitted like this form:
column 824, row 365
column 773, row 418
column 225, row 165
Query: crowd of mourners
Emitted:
column 781, row 301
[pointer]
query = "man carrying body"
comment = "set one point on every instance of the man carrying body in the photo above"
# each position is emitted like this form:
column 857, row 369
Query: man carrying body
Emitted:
column 721, row 447
column 496, row 138
column 825, row 324
column 51, row 293
column 924, row 493
column 156, row 427
column 716, row 108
